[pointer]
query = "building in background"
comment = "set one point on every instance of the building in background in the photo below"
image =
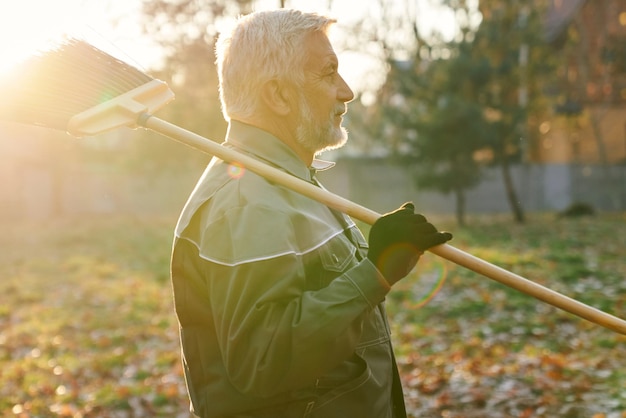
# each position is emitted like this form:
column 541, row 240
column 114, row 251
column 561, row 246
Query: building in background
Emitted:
column 588, row 125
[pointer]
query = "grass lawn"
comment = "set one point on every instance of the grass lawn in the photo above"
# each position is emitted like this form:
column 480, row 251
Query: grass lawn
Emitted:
column 87, row 327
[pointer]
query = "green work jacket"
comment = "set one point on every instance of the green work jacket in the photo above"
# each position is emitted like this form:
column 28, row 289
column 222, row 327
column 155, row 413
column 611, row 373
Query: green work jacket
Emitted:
column 280, row 313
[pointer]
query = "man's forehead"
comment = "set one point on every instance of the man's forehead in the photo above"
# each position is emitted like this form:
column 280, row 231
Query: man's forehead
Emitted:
column 320, row 52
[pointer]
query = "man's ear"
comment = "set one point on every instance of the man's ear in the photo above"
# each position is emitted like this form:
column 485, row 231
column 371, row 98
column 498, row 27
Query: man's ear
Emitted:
column 277, row 97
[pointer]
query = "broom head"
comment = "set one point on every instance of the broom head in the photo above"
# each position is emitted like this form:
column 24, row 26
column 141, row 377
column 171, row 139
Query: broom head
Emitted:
column 80, row 89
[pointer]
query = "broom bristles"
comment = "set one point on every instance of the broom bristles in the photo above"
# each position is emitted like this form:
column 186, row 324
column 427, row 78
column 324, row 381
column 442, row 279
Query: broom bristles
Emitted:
column 49, row 88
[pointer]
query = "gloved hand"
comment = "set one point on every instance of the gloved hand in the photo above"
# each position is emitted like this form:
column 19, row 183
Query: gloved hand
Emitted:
column 397, row 239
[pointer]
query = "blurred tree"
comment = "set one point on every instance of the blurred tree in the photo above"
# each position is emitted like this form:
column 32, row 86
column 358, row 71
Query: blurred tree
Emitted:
column 429, row 103
column 441, row 123
column 511, row 38
column 457, row 105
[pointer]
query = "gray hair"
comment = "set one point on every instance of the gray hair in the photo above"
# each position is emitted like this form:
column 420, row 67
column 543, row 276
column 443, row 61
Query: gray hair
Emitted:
column 262, row 46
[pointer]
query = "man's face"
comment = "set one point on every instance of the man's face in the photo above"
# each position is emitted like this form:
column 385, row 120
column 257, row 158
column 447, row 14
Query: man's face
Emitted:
column 322, row 99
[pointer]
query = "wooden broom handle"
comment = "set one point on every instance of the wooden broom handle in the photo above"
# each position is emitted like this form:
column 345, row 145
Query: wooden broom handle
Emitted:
column 368, row 216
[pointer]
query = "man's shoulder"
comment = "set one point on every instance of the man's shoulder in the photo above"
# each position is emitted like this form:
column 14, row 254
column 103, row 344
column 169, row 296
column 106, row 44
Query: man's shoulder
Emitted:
column 228, row 184
column 234, row 194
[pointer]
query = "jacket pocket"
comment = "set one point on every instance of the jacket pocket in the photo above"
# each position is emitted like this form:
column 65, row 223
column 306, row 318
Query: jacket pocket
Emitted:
column 366, row 393
column 347, row 372
column 358, row 397
column 329, row 261
column 337, row 254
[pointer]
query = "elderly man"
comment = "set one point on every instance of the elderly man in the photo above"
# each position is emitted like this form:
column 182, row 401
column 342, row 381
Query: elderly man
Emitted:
column 279, row 298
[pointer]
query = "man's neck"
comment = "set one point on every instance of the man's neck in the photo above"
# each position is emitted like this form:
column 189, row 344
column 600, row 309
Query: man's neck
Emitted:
column 283, row 131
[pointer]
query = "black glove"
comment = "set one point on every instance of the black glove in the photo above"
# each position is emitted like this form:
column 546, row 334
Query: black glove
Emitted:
column 397, row 239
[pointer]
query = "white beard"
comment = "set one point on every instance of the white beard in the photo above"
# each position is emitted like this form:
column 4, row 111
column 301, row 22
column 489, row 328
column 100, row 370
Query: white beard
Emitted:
column 317, row 138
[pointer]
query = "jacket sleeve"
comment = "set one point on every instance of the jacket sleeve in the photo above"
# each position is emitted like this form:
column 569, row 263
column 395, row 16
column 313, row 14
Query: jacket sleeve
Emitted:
column 273, row 334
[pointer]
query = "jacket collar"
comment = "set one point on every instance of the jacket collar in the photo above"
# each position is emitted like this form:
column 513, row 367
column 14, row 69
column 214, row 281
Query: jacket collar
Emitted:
column 267, row 147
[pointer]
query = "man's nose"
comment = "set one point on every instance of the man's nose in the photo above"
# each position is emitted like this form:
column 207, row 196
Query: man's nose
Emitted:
column 345, row 93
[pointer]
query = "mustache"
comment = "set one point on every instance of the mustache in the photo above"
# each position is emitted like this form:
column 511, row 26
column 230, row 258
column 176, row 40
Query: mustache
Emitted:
column 340, row 109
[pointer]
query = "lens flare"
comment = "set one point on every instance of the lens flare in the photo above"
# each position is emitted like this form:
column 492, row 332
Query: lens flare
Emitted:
column 428, row 285
column 236, row 170
column 430, row 274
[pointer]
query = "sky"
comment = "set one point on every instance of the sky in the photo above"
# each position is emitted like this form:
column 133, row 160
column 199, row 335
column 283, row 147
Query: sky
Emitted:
column 114, row 26
column 28, row 25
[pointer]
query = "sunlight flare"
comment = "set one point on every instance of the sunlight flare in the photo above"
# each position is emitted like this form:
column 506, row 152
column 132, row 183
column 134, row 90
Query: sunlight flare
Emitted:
column 30, row 25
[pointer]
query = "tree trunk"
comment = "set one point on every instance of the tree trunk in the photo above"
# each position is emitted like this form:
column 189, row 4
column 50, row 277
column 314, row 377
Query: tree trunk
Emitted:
column 511, row 194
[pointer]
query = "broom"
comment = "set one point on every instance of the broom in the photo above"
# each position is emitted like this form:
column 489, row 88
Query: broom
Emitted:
column 80, row 89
